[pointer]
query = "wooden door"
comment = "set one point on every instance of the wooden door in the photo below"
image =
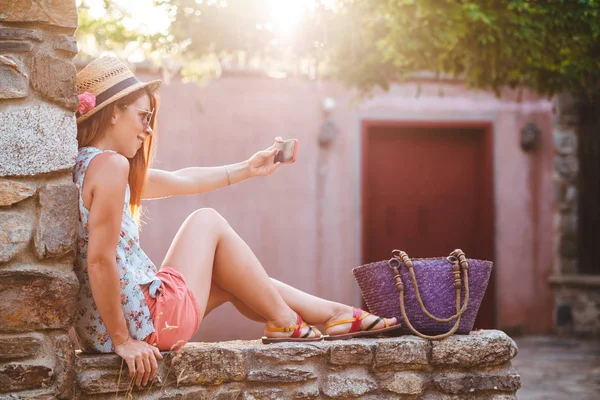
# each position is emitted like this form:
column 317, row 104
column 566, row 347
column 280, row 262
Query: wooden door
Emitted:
column 427, row 191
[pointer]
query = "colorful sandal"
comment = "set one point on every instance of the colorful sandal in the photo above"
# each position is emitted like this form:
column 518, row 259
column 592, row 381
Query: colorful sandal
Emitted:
column 297, row 330
column 358, row 316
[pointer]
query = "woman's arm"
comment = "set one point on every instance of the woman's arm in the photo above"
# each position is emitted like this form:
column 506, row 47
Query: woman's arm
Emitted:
column 196, row 180
column 107, row 179
column 107, row 175
column 193, row 180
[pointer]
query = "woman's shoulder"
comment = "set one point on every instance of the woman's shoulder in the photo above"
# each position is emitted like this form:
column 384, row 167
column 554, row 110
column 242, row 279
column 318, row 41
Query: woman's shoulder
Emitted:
column 106, row 181
column 109, row 158
column 102, row 168
column 110, row 166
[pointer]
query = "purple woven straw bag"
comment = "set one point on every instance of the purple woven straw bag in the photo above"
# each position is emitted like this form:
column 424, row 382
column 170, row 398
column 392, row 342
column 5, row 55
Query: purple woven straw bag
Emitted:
column 443, row 284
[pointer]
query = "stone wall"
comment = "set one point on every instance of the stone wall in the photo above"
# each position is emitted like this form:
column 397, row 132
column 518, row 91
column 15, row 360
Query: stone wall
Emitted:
column 578, row 305
column 577, row 296
column 477, row 366
column 565, row 184
column 38, row 201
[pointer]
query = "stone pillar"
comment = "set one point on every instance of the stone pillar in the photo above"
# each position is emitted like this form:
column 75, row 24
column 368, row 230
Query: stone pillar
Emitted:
column 38, row 201
column 577, row 296
column 566, row 164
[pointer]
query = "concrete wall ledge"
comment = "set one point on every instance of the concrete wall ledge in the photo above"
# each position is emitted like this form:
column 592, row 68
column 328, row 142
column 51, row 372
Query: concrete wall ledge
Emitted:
column 575, row 280
column 475, row 366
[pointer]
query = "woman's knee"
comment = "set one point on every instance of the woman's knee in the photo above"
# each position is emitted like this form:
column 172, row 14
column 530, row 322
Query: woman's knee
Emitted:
column 208, row 218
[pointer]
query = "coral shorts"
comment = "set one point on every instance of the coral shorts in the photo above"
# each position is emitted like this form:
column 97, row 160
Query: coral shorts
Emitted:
column 175, row 311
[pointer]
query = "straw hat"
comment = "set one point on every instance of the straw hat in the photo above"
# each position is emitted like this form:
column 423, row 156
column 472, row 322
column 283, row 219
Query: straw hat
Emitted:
column 104, row 81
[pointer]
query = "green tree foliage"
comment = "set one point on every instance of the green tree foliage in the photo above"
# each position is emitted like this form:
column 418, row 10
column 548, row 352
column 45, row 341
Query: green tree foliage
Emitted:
column 545, row 45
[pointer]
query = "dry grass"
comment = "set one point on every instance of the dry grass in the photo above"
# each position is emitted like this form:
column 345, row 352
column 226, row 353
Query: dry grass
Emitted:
column 174, row 352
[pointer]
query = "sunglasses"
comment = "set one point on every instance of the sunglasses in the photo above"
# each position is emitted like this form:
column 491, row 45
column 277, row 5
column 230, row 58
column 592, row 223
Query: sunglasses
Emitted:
column 147, row 116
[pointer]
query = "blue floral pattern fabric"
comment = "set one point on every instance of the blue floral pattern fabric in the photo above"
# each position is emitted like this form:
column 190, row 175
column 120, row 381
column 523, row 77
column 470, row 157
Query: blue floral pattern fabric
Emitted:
column 134, row 266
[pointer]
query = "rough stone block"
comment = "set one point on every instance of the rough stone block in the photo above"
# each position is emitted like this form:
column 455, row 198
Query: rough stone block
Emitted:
column 462, row 382
column 202, row 363
column 56, row 229
column 12, row 347
column 96, row 382
column 480, row 348
column 54, row 79
column 196, row 394
column 98, row 374
column 16, row 377
column 61, row 13
column 567, row 166
column 64, row 369
column 569, row 224
column 565, row 195
column 66, row 44
column 263, row 394
column 15, row 232
column 435, row 395
column 348, row 385
column 352, row 353
column 12, row 192
column 85, row 361
column 20, row 34
column 407, row 383
column 15, row 47
column 584, row 302
column 568, row 245
column 407, row 353
column 35, row 298
column 285, row 374
column 36, row 139
column 308, row 391
column 285, row 352
column 44, row 395
column 565, row 141
column 14, row 78
column 228, row 394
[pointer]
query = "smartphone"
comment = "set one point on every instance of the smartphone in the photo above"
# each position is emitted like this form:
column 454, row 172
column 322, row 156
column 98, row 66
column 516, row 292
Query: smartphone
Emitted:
column 286, row 151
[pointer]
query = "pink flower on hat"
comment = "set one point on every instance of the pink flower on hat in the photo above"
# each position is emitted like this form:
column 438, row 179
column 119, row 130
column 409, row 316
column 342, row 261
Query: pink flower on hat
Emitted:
column 87, row 101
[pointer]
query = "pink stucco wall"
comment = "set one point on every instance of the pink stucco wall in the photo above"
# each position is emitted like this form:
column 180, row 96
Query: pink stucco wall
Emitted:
column 304, row 222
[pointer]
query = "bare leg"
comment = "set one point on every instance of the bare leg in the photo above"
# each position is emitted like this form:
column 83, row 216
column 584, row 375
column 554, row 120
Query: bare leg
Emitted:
column 219, row 296
column 317, row 311
column 206, row 248
column 314, row 310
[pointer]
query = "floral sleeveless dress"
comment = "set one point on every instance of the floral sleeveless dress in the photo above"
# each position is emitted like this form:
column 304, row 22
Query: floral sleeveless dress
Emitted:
column 134, row 266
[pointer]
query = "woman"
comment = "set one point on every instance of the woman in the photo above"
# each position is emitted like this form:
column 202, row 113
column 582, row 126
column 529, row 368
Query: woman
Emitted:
column 128, row 306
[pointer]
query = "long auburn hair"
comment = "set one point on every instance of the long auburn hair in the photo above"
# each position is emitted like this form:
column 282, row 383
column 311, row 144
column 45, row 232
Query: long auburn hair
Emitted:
column 96, row 126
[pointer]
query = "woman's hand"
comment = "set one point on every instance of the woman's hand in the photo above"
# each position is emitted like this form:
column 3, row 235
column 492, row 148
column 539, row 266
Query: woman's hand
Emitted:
column 141, row 360
column 262, row 163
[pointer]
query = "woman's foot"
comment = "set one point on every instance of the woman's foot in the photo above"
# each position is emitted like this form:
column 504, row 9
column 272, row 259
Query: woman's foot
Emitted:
column 291, row 332
column 349, row 322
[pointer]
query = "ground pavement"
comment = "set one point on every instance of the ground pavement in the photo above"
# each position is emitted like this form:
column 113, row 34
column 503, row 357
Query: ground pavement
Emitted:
column 554, row 368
